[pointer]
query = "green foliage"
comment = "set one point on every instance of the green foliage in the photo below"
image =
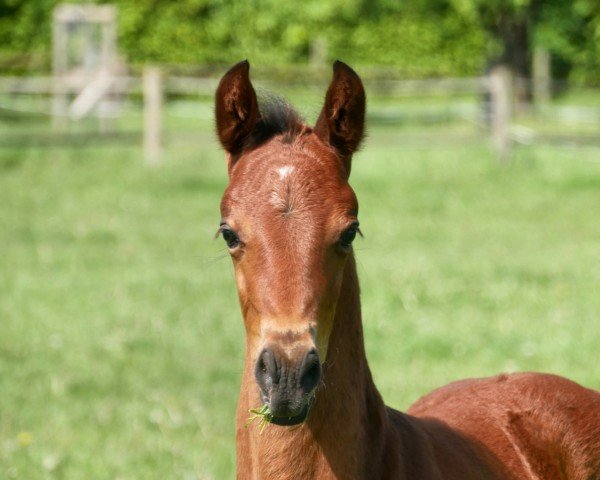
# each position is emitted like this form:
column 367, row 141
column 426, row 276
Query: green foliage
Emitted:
column 270, row 32
column 418, row 46
column 420, row 37
column 25, row 33
column 569, row 29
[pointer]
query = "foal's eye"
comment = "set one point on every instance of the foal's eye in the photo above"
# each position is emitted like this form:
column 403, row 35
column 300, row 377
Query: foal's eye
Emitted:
column 348, row 236
column 229, row 236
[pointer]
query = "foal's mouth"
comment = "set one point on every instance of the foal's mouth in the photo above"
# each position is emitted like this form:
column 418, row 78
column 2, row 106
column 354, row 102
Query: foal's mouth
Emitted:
column 287, row 420
column 295, row 420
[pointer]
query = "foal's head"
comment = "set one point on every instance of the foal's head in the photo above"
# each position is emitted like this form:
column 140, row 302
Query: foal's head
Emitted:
column 288, row 217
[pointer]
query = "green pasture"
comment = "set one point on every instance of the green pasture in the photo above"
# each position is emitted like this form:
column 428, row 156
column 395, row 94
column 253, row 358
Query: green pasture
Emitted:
column 121, row 340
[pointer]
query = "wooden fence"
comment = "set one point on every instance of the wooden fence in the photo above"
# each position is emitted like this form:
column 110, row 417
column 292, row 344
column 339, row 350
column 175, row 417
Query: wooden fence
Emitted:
column 499, row 88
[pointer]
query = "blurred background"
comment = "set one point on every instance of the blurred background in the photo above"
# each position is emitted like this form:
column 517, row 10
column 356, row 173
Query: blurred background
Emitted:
column 121, row 340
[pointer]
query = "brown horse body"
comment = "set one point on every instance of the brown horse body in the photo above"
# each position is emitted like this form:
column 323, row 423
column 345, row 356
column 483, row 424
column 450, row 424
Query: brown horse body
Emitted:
column 289, row 217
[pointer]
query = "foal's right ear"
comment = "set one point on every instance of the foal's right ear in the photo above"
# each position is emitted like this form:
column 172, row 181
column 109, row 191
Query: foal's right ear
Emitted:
column 236, row 107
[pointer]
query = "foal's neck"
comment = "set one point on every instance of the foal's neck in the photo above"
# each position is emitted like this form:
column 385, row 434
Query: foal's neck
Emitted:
column 342, row 437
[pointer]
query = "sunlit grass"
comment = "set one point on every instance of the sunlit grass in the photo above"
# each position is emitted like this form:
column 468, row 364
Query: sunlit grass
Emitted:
column 121, row 341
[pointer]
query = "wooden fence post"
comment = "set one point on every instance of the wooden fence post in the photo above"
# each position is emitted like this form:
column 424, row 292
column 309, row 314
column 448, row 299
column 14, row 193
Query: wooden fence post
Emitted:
column 542, row 76
column 318, row 52
column 152, row 86
column 500, row 84
column 60, row 99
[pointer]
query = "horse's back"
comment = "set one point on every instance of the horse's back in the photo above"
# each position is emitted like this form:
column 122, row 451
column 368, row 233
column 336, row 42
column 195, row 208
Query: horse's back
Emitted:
column 527, row 426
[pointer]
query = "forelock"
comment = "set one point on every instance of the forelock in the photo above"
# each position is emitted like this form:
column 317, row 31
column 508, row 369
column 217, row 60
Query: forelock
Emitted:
column 277, row 117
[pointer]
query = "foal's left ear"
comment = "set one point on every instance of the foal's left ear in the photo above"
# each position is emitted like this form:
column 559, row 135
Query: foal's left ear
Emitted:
column 236, row 107
column 342, row 120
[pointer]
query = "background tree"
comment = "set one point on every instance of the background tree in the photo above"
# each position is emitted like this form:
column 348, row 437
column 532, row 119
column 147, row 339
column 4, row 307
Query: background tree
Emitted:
column 418, row 37
column 569, row 29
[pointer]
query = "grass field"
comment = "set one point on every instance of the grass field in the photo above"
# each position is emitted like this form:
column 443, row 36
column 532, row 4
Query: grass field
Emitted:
column 120, row 335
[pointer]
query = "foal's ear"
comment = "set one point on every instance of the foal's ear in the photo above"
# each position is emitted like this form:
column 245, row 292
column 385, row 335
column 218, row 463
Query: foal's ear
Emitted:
column 236, row 107
column 342, row 120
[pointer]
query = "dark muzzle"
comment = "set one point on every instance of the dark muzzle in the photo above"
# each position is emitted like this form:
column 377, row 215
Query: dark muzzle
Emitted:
column 287, row 383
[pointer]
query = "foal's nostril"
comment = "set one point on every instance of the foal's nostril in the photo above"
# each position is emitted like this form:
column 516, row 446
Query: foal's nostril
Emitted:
column 266, row 371
column 310, row 373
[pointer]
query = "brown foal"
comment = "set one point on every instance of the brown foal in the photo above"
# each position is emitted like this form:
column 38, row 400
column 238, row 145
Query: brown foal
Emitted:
column 289, row 217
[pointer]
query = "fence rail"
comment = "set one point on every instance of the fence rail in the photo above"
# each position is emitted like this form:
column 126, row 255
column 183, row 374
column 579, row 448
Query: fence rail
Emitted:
column 186, row 85
column 497, row 92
